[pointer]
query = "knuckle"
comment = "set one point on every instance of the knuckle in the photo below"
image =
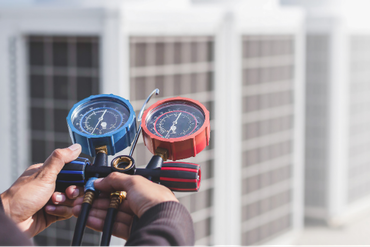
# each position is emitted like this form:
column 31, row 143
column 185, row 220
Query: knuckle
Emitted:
column 65, row 212
column 136, row 179
column 115, row 176
column 68, row 212
column 58, row 154
column 34, row 166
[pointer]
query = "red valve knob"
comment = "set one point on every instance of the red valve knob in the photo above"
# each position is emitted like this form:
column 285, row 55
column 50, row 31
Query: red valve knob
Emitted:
column 180, row 176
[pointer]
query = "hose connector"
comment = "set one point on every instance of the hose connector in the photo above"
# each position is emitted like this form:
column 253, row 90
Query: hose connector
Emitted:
column 116, row 198
column 89, row 197
column 163, row 153
column 89, row 186
column 90, row 191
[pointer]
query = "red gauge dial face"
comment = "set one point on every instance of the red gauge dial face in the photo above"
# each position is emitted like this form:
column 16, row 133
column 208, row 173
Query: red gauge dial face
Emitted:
column 175, row 119
column 178, row 125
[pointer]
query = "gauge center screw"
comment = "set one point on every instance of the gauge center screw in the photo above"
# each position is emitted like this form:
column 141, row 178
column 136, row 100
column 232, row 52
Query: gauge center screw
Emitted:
column 173, row 127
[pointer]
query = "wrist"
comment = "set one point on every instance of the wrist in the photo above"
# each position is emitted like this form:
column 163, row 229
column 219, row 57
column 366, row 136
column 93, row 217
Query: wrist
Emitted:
column 6, row 201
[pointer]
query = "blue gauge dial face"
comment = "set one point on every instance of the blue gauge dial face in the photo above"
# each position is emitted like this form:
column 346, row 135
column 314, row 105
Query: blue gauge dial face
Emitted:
column 99, row 117
column 175, row 120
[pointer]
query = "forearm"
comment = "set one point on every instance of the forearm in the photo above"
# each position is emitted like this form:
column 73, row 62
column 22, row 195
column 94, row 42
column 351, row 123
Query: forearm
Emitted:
column 1, row 205
column 167, row 223
column 4, row 207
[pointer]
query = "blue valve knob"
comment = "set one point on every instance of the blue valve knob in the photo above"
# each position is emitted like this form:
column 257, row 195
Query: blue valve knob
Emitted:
column 72, row 173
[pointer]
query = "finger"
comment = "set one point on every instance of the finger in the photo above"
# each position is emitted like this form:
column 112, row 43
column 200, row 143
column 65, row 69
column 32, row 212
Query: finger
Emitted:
column 101, row 204
column 120, row 216
column 125, row 207
column 59, row 198
column 104, row 194
column 119, row 229
column 102, row 213
column 98, row 204
column 73, row 191
column 59, row 211
column 76, row 210
column 78, row 201
column 56, row 161
column 115, row 182
column 101, row 195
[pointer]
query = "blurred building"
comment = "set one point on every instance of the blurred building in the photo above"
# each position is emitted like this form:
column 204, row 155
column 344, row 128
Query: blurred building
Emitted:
column 337, row 172
column 242, row 59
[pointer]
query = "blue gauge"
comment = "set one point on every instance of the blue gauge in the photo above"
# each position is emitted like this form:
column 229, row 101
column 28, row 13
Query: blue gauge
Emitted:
column 102, row 120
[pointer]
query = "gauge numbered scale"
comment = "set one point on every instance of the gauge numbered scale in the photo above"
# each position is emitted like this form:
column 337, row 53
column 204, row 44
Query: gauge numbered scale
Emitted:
column 102, row 120
column 178, row 125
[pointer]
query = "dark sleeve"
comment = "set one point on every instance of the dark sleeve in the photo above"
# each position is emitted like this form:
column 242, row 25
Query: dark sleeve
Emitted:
column 168, row 223
column 10, row 235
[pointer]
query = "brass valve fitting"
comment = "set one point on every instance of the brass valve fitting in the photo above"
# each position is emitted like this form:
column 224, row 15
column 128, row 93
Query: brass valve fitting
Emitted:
column 116, row 198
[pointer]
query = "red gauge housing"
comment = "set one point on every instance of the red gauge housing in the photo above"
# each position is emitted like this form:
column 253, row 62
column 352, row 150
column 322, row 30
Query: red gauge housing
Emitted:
column 180, row 147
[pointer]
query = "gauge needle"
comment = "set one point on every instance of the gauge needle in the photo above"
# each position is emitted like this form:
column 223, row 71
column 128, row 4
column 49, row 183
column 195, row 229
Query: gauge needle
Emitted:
column 100, row 119
column 173, row 127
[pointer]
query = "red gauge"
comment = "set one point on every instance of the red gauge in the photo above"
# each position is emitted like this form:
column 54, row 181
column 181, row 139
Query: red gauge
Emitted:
column 179, row 125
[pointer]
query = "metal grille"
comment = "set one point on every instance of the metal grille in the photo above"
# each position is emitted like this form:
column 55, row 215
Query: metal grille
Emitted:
column 267, row 136
column 359, row 132
column 317, row 122
column 62, row 71
column 177, row 66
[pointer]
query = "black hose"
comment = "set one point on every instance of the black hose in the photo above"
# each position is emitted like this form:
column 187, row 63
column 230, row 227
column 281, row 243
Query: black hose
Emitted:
column 81, row 223
column 101, row 160
column 108, row 226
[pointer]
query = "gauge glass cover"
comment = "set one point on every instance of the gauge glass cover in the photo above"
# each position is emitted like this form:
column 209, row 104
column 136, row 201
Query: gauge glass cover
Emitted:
column 100, row 116
column 175, row 119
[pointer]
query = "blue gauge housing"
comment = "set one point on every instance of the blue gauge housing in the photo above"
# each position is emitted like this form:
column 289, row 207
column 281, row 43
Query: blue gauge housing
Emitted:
column 102, row 120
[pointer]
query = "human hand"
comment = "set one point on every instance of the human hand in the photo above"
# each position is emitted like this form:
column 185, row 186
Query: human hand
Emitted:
column 31, row 201
column 142, row 194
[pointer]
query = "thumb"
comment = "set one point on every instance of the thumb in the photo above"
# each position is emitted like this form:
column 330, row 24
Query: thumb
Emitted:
column 55, row 162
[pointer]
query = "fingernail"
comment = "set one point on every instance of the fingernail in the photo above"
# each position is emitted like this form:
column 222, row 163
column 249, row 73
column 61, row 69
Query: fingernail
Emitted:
column 60, row 198
column 75, row 193
column 74, row 147
column 98, row 180
column 50, row 208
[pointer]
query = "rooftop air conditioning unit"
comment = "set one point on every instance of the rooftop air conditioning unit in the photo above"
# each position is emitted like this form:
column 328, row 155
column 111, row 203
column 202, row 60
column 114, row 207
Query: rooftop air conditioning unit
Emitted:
column 338, row 109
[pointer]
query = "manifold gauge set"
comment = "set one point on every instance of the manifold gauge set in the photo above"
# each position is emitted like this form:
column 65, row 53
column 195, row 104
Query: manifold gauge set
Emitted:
column 172, row 129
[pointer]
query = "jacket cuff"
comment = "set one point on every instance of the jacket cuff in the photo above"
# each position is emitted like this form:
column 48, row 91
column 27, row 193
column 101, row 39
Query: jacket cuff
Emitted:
column 170, row 211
